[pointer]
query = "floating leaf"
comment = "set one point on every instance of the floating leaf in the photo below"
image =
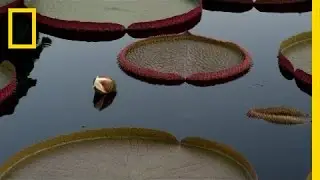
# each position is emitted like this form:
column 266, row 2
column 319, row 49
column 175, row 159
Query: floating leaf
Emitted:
column 279, row 115
column 127, row 153
column 110, row 20
column 185, row 57
column 295, row 56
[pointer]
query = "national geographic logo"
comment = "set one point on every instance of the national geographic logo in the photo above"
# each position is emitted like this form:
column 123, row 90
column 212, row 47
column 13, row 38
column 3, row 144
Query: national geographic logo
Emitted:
column 11, row 12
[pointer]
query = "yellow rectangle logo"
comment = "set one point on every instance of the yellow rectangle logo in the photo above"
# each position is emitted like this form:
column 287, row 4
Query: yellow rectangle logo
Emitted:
column 315, row 91
column 33, row 12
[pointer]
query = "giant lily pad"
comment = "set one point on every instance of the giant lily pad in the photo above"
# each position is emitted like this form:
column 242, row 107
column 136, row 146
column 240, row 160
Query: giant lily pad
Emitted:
column 295, row 59
column 104, row 20
column 184, row 57
column 127, row 153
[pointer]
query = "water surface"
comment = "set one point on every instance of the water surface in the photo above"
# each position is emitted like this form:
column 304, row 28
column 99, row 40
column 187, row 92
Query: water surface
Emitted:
column 61, row 102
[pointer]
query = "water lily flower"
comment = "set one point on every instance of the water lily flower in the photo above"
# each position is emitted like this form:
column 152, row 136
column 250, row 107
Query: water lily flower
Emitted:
column 104, row 85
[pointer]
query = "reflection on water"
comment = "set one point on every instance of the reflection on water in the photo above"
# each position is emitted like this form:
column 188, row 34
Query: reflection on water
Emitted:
column 62, row 100
column 281, row 7
column 227, row 7
column 102, row 101
column 23, row 60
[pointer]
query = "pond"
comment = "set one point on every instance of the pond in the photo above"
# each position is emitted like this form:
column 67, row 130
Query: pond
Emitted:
column 62, row 99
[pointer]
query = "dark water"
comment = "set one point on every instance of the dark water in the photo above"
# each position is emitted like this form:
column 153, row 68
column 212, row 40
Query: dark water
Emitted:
column 61, row 101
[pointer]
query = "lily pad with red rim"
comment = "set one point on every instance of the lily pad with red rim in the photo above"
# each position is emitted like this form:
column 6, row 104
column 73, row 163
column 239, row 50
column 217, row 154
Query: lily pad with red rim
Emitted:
column 109, row 20
column 174, row 59
column 122, row 153
column 295, row 58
